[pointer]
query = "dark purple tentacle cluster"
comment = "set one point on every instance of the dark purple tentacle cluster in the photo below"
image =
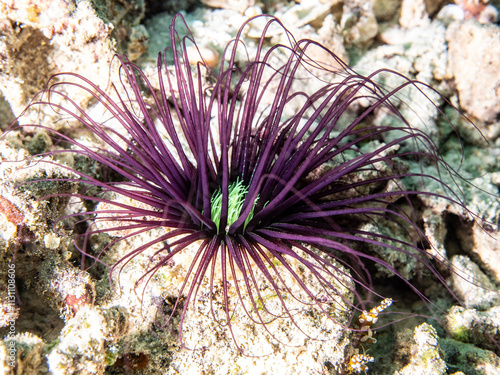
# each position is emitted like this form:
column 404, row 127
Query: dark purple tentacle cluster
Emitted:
column 199, row 131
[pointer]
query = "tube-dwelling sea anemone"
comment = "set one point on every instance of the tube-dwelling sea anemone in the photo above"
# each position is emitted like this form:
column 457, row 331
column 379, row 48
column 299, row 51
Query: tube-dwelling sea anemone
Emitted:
column 264, row 176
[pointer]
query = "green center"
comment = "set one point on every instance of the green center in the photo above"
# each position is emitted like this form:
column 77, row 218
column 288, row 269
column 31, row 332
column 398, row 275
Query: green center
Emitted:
column 237, row 194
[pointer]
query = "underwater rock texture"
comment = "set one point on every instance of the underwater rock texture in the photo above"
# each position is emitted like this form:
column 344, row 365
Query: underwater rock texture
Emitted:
column 46, row 37
column 88, row 341
column 108, row 330
column 469, row 358
column 485, row 250
column 413, row 14
column 424, row 352
column 481, row 328
column 473, row 63
column 29, row 355
column 472, row 286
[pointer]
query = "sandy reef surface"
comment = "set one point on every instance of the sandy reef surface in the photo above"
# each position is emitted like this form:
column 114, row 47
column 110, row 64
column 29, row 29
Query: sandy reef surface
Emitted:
column 72, row 322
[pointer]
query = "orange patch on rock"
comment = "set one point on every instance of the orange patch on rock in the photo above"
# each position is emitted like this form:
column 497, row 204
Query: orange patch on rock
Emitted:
column 11, row 212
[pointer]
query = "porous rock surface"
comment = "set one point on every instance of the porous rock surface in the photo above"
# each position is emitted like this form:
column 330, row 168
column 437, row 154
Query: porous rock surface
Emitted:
column 424, row 352
column 40, row 39
column 473, row 64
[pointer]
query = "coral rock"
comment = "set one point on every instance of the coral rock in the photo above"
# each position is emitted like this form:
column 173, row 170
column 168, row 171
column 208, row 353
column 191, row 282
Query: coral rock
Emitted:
column 473, row 63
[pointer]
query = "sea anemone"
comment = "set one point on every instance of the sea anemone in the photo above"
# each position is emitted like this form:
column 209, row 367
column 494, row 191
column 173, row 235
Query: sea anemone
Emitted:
column 264, row 176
